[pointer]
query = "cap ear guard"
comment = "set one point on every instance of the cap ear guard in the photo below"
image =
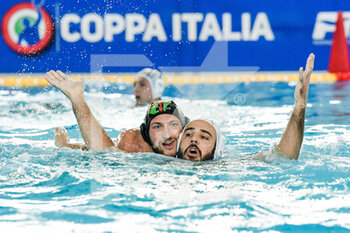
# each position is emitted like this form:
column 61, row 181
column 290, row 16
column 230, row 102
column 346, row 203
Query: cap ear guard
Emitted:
column 145, row 133
column 158, row 84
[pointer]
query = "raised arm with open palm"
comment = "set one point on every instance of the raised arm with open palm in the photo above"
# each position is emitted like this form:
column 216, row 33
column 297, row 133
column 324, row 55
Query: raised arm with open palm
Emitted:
column 94, row 135
column 292, row 137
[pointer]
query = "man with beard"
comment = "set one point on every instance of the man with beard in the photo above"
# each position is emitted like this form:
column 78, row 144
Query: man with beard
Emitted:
column 162, row 126
column 159, row 133
column 202, row 140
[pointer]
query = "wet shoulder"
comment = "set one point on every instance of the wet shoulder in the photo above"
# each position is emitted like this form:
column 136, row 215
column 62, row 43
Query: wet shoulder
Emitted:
column 131, row 141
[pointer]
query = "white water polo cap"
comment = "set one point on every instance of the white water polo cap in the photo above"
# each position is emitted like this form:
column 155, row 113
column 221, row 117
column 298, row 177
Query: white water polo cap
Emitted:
column 155, row 79
column 220, row 139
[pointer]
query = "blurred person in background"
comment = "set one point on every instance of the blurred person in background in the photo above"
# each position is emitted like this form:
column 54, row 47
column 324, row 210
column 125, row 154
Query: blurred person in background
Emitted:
column 148, row 86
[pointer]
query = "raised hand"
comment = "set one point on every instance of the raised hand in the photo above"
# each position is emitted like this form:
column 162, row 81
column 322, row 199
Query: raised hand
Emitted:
column 292, row 137
column 72, row 89
column 302, row 87
column 94, row 135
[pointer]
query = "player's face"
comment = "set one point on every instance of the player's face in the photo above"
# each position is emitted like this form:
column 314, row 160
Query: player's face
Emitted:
column 198, row 141
column 164, row 132
column 142, row 91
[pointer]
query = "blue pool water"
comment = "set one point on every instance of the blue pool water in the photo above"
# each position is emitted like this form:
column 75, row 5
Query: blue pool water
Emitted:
column 49, row 189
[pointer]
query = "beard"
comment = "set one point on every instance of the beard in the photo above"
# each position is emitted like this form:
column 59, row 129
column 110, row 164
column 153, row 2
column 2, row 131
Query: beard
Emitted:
column 159, row 150
column 182, row 154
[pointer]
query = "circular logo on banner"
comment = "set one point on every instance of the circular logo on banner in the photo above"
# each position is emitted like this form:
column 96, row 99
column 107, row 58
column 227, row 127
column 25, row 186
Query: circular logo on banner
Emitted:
column 27, row 29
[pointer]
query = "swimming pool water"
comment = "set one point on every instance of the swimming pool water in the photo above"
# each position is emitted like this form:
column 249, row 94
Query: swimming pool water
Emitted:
column 49, row 189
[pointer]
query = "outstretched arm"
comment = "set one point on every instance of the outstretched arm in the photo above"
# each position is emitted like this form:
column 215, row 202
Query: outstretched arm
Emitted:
column 292, row 137
column 94, row 135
